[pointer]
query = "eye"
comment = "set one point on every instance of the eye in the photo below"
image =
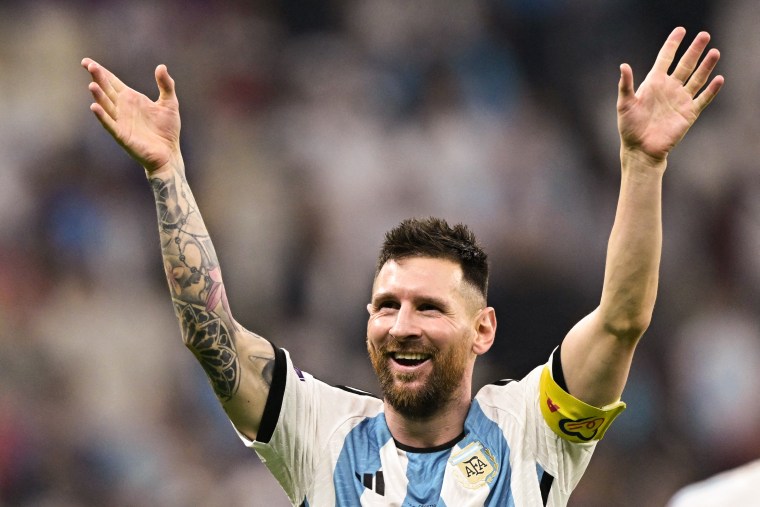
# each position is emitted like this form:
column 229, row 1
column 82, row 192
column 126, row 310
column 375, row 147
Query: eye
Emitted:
column 387, row 304
column 428, row 307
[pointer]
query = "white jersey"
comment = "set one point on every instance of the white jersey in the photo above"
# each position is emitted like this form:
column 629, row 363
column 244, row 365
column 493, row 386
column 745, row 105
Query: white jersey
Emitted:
column 331, row 446
column 736, row 487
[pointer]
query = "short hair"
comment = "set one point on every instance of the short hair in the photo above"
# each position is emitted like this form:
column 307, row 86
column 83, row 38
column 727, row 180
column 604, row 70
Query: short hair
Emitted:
column 434, row 237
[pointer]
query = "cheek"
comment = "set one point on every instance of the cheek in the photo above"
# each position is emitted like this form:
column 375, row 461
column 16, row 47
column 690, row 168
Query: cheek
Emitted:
column 441, row 331
column 375, row 332
column 379, row 324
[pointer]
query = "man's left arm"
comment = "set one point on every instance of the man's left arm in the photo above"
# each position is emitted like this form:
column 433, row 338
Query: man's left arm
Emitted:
column 596, row 354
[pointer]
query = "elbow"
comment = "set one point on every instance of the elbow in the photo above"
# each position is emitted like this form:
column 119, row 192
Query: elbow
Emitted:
column 628, row 327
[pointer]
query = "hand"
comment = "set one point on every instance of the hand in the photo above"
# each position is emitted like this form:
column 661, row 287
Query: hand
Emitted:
column 655, row 118
column 147, row 130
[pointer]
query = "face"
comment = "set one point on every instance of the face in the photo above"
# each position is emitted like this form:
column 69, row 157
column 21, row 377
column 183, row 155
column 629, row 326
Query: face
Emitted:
column 424, row 331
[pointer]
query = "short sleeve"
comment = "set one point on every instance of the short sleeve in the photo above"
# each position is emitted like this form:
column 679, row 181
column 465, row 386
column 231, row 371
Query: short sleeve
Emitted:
column 569, row 417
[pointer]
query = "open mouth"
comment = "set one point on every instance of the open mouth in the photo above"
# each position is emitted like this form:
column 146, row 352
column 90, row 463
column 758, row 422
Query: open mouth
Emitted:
column 409, row 359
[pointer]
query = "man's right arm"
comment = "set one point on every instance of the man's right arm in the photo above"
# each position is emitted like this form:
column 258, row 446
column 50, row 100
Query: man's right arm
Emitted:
column 239, row 364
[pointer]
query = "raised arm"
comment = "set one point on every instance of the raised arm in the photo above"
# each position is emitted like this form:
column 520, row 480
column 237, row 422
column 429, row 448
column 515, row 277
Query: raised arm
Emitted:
column 652, row 120
column 238, row 363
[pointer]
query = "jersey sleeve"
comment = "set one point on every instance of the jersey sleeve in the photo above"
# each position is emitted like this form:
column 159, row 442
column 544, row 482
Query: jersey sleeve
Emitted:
column 273, row 432
column 569, row 417
column 300, row 415
column 567, row 430
column 532, row 414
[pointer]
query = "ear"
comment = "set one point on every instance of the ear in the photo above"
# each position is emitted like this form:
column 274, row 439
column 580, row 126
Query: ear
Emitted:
column 485, row 327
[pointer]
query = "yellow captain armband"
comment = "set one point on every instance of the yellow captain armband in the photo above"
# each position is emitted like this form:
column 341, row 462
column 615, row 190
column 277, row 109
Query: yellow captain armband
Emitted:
column 569, row 417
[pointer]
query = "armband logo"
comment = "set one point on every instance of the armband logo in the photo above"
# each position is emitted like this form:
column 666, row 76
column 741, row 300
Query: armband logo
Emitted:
column 583, row 429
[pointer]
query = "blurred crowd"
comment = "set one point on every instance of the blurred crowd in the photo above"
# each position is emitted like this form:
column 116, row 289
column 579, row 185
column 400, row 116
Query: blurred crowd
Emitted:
column 309, row 128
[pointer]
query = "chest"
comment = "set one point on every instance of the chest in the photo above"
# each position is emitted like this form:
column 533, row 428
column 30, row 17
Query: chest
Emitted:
column 372, row 471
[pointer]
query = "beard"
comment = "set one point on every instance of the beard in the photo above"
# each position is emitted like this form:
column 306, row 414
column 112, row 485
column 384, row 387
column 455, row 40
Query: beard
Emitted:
column 438, row 389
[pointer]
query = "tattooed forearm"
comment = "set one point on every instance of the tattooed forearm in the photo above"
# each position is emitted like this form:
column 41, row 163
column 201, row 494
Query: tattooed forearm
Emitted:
column 195, row 281
column 206, row 335
column 190, row 262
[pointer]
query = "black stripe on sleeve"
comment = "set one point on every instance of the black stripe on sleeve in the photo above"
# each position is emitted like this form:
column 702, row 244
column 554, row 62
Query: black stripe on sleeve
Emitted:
column 274, row 399
column 557, row 373
column 353, row 390
column 546, row 484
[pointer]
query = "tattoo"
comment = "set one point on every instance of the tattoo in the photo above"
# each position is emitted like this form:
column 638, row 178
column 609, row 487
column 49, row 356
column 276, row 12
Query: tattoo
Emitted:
column 190, row 262
column 206, row 335
column 195, row 281
column 267, row 371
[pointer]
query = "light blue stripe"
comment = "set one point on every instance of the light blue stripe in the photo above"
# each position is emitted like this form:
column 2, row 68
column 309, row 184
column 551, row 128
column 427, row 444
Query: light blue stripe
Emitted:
column 360, row 455
column 478, row 427
column 425, row 474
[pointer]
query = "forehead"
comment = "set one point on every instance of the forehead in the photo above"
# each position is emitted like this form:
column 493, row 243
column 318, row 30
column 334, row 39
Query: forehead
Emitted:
column 420, row 275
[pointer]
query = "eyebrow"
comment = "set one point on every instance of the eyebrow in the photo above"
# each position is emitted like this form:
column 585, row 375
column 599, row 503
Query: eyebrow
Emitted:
column 432, row 300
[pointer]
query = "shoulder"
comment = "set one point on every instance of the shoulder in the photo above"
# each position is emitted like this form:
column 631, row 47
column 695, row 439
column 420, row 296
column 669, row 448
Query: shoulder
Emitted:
column 506, row 392
column 337, row 400
column 509, row 403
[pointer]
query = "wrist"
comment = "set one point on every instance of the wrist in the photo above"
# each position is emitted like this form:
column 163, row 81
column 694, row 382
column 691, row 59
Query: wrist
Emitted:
column 636, row 160
column 174, row 164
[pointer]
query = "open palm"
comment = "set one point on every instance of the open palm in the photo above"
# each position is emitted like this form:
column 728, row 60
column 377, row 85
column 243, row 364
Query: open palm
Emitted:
column 148, row 130
column 655, row 118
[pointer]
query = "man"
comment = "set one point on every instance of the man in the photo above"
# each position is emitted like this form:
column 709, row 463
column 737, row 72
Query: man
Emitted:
column 428, row 442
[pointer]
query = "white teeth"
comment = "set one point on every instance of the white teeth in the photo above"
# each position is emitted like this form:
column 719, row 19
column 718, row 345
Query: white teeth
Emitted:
column 410, row 356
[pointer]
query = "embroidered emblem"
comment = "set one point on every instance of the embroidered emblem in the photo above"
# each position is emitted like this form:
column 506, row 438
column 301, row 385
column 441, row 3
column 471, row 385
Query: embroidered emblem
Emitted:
column 474, row 466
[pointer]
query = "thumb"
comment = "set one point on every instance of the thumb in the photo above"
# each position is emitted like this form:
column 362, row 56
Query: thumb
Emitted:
column 165, row 83
column 625, row 87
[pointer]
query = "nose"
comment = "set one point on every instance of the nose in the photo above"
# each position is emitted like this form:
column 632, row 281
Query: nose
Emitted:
column 406, row 325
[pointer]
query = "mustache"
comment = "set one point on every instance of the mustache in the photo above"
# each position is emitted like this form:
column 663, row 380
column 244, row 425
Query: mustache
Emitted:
column 395, row 346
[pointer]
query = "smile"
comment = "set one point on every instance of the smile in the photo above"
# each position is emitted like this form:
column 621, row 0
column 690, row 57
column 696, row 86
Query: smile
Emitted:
column 409, row 358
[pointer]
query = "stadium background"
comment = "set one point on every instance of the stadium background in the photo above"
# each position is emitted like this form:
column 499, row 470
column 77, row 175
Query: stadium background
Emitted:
column 309, row 128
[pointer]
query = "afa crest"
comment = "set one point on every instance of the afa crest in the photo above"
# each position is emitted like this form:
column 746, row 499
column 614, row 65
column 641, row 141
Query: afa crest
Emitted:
column 475, row 465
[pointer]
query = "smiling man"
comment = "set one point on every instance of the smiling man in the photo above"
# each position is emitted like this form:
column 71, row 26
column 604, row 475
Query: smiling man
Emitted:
column 428, row 441
column 428, row 322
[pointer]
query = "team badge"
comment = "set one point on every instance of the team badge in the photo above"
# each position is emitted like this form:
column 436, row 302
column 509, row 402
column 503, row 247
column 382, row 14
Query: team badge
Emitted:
column 475, row 465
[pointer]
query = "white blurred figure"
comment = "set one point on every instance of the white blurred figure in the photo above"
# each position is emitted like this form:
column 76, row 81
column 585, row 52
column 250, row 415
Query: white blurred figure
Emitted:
column 736, row 488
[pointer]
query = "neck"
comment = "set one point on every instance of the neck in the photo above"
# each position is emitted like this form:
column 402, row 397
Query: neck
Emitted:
column 441, row 427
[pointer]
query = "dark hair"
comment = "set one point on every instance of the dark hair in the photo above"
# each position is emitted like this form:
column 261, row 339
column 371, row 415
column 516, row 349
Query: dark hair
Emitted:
column 434, row 237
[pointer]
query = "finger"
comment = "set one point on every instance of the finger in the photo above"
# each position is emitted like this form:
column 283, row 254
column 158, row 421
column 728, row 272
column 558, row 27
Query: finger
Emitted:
column 668, row 50
column 688, row 62
column 108, row 123
column 699, row 78
column 626, row 92
column 709, row 93
column 108, row 82
column 102, row 99
column 165, row 83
